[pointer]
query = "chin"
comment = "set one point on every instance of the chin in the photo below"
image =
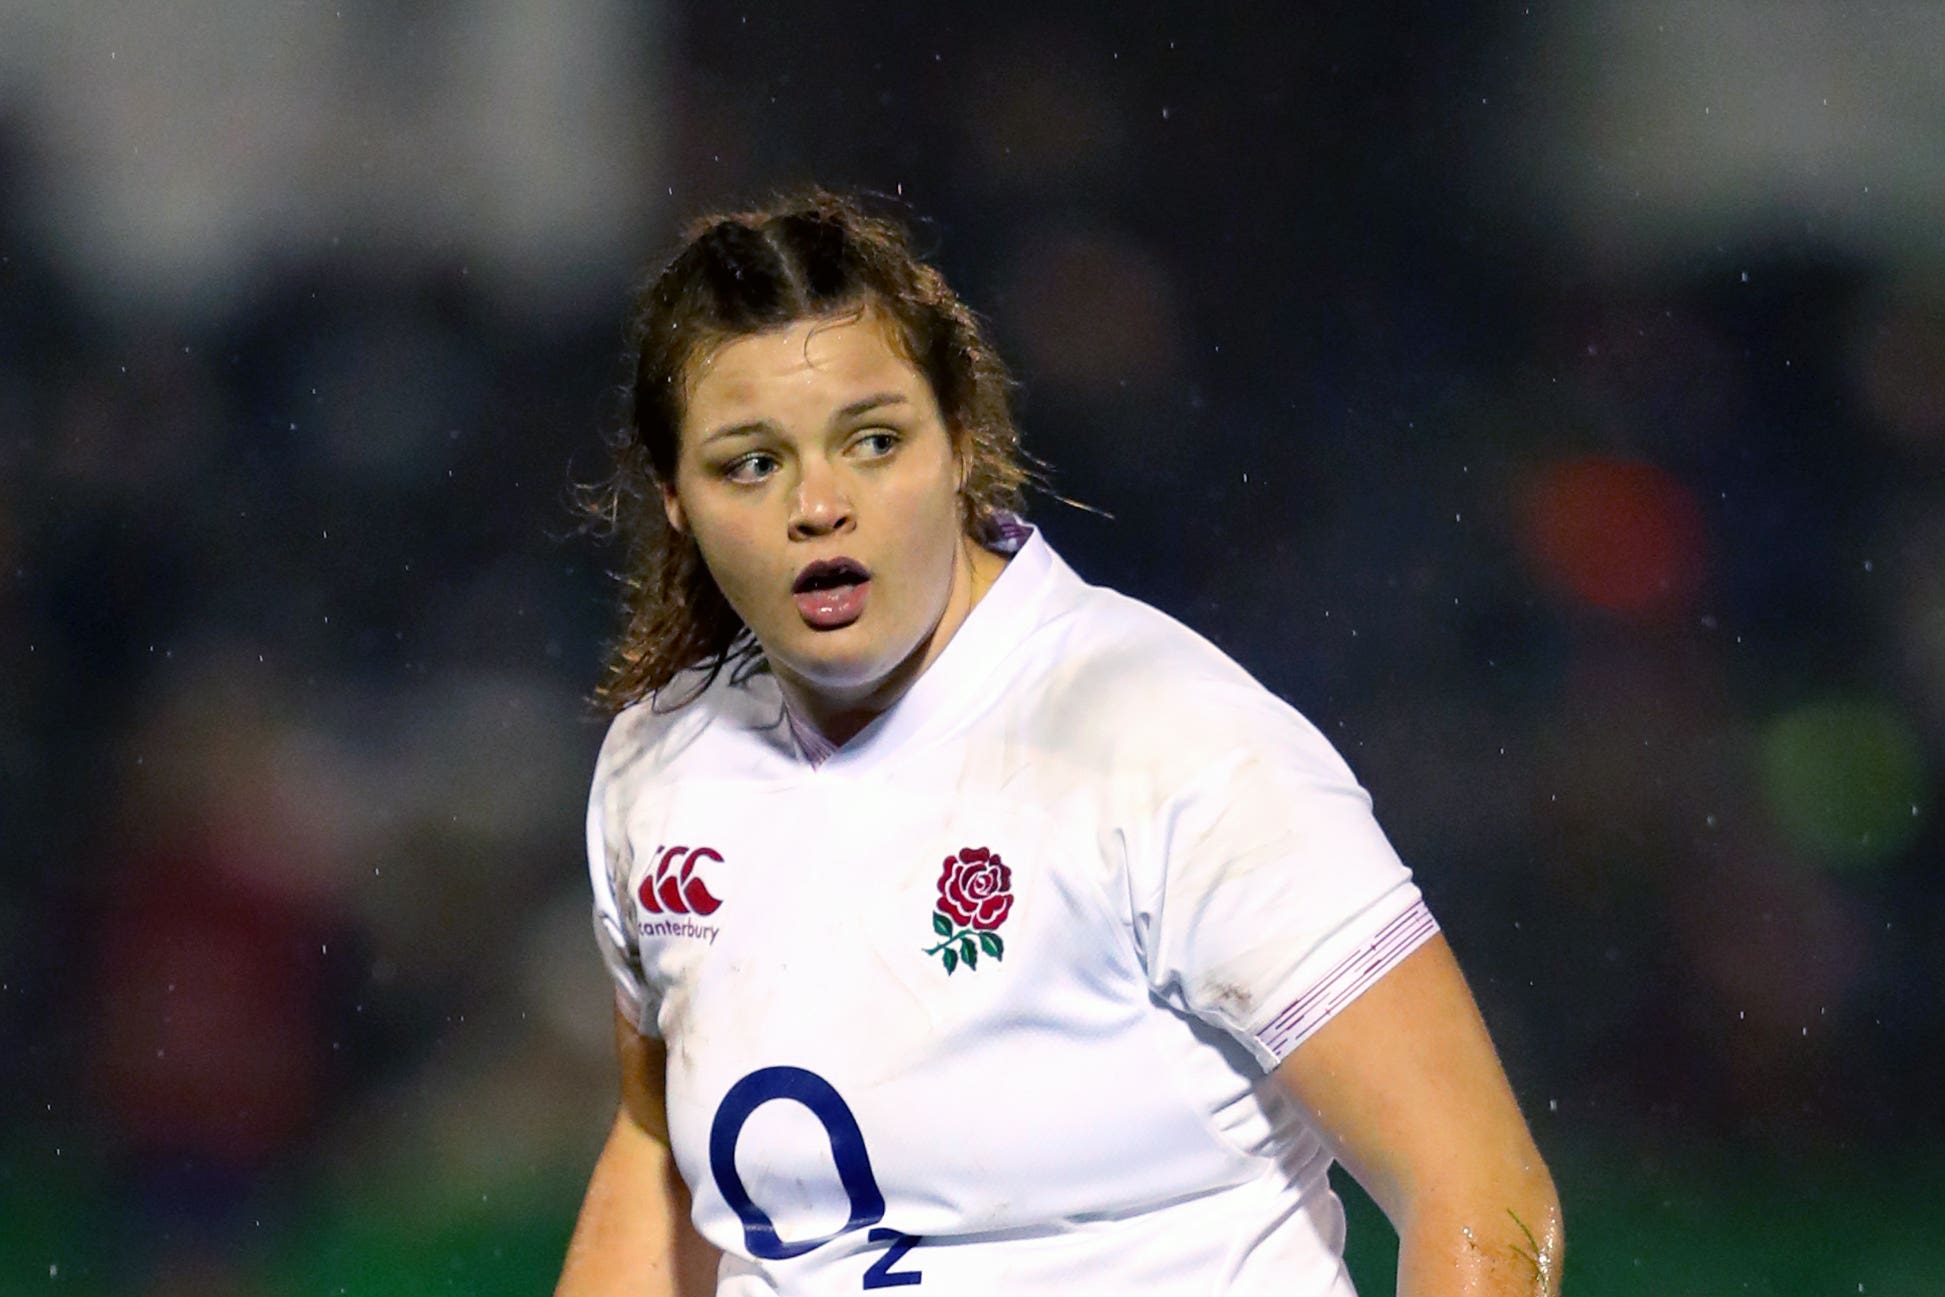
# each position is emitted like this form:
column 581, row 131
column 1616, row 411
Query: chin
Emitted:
column 839, row 669
column 843, row 676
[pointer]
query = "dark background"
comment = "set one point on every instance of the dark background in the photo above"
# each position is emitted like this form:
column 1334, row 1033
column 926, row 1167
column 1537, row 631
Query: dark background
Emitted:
column 1548, row 399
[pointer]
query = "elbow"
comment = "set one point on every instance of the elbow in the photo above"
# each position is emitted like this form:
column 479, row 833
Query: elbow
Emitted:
column 1533, row 1226
column 1532, row 1209
column 1502, row 1224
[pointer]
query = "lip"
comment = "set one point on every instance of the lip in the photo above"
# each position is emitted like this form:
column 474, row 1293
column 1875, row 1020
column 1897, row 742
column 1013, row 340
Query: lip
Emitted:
column 830, row 594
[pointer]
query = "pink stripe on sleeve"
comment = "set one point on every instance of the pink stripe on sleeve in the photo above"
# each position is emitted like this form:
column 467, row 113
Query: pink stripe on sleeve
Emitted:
column 1350, row 978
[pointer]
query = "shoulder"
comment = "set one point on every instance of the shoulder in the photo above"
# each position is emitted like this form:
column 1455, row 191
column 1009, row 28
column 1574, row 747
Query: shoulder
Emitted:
column 1141, row 691
column 645, row 738
column 699, row 722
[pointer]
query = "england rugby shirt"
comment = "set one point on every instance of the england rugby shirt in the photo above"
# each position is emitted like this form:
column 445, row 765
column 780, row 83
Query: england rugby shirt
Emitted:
column 985, row 1000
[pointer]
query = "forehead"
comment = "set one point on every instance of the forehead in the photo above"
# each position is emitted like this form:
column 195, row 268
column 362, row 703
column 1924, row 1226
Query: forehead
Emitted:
column 800, row 371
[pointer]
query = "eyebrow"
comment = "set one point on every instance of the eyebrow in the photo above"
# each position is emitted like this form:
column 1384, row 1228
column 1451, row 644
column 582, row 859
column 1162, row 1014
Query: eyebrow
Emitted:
column 863, row 405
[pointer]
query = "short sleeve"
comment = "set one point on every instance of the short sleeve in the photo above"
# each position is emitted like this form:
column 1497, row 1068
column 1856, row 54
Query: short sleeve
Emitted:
column 1266, row 896
column 609, row 861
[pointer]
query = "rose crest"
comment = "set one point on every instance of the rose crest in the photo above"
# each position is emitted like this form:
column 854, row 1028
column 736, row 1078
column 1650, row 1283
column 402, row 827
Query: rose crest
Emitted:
column 975, row 896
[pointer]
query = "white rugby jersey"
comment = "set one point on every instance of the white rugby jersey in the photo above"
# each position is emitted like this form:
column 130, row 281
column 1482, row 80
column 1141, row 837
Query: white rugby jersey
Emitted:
column 985, row 1001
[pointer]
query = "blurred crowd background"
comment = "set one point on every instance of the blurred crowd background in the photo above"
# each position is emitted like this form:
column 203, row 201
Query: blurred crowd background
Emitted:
column 1549, row 399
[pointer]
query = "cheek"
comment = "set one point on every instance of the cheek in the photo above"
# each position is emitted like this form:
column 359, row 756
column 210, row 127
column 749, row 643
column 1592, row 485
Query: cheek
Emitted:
column 929, row 506
column 729, row 550
column 930, row 547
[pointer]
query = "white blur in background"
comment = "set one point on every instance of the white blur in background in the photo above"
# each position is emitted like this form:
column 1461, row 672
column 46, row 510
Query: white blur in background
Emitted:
column 1672, row 127
column 174, row 147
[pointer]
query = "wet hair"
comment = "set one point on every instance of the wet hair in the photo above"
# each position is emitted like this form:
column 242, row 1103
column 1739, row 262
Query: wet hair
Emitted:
column 808, row 255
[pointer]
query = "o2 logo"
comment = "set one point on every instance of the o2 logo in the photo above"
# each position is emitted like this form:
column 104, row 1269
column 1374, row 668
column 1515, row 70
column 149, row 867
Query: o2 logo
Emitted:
column 847, row 1149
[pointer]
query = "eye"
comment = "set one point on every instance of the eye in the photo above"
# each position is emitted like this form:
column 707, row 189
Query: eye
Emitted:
column 747, row 470
column 875, row 443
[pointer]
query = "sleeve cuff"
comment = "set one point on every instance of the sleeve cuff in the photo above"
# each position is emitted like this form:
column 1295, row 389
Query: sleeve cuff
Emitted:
column 1354, row 974
column 632, row 995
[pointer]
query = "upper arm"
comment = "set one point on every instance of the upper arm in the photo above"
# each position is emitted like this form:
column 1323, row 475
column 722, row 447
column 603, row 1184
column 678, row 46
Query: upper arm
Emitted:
column 1406, row 1088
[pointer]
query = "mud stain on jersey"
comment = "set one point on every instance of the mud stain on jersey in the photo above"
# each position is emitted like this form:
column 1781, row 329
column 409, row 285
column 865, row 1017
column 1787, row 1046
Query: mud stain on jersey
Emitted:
column 1237, row 1002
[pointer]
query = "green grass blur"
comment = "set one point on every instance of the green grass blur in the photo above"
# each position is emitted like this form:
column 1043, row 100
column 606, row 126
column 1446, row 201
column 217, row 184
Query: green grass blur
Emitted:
column 1714, row 1225
column 1702, row 1224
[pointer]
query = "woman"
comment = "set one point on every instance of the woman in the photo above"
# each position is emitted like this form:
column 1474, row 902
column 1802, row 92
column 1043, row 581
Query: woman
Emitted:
column 975, row 929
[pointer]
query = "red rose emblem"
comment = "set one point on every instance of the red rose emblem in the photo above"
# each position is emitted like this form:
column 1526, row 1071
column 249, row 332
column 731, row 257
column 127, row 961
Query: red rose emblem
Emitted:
column 975, row 896
column 976, row 889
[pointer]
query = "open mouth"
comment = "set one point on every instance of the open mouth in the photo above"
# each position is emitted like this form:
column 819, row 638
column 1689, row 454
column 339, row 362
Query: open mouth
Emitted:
column 830, row 593
column 826, row 574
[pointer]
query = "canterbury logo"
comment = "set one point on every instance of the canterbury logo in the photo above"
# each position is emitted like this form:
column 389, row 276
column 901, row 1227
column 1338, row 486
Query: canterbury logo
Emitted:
column 675, row 887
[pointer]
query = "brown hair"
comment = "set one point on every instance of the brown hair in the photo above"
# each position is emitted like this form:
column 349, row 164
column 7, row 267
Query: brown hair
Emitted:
column 810, row 254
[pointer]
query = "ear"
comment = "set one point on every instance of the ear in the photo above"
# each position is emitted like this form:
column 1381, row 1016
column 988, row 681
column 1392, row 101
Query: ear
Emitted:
column 673, row 508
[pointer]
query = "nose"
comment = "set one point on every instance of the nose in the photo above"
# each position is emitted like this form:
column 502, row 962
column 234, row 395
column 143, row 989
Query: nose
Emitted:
column 820, row 506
